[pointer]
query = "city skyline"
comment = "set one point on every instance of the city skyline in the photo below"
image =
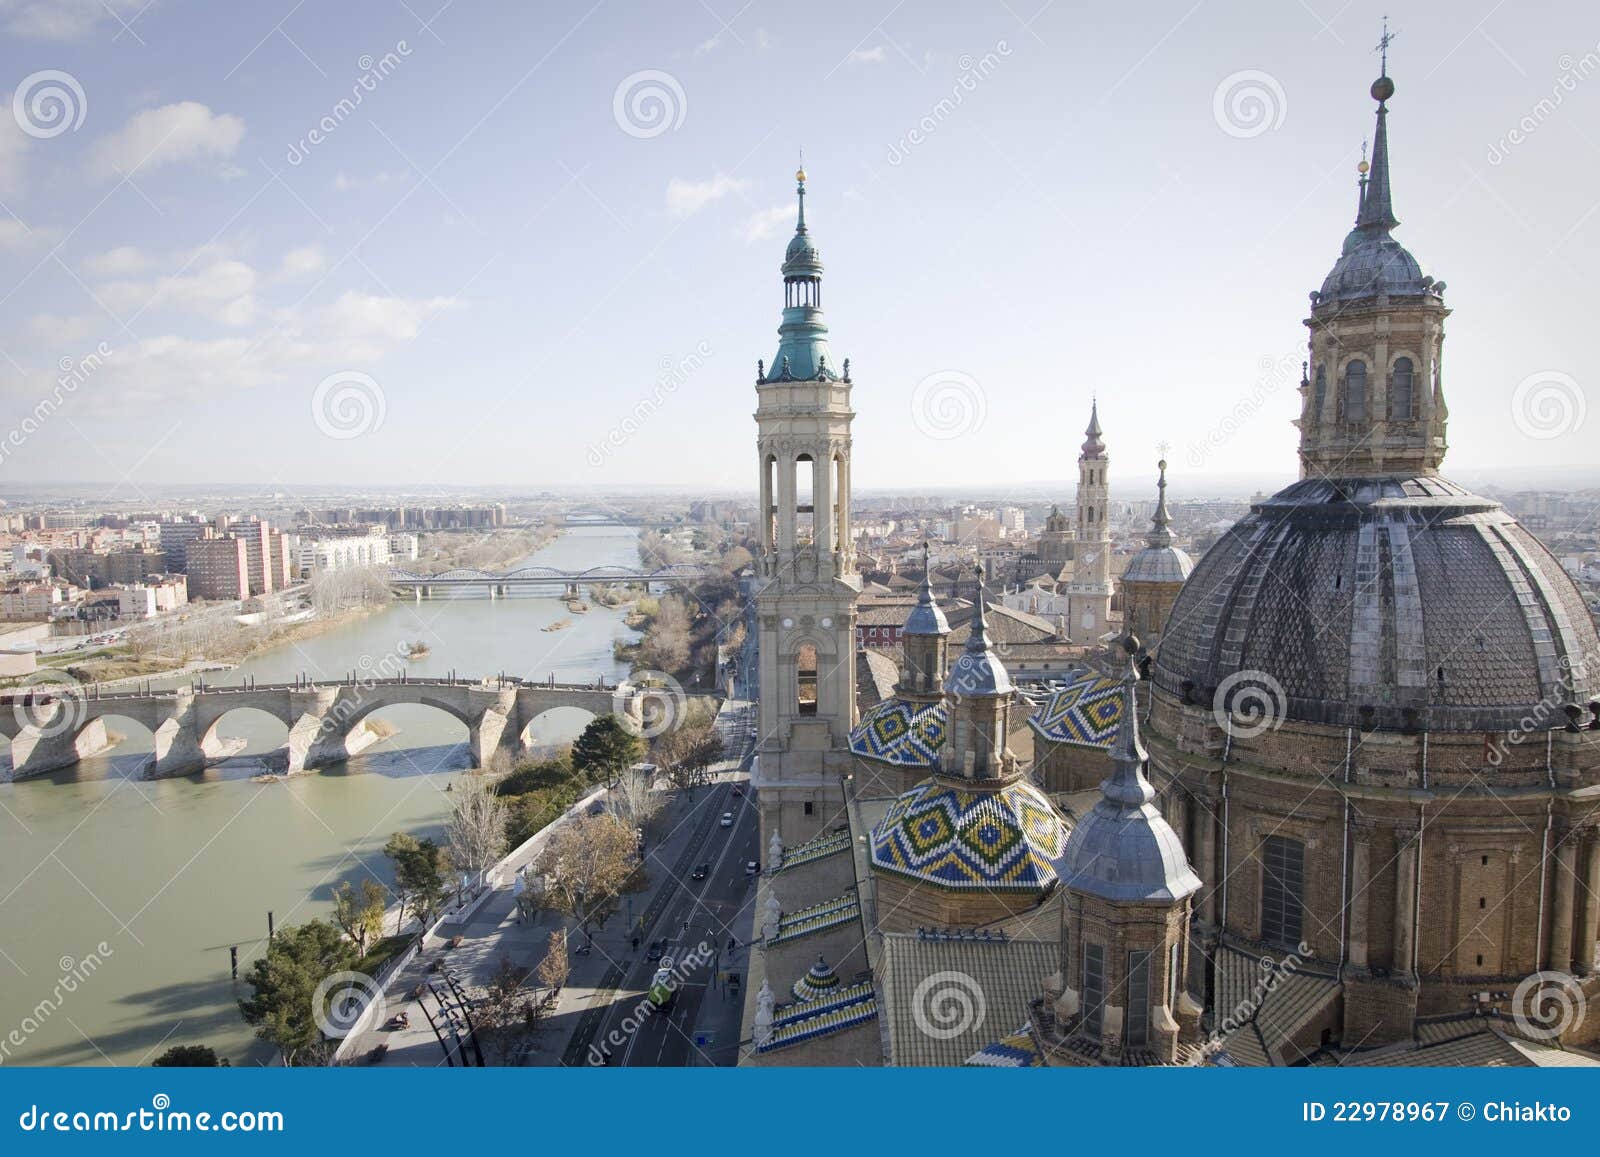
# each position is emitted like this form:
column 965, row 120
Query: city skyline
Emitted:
column 572, row 311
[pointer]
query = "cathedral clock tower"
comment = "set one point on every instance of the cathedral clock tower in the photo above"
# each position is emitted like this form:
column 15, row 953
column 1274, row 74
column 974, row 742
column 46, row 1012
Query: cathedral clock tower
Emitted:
column 805, row 604
column 1089, row 593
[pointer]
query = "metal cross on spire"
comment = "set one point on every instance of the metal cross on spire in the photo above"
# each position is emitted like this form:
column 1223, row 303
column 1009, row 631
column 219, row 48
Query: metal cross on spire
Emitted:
column 1382, row 47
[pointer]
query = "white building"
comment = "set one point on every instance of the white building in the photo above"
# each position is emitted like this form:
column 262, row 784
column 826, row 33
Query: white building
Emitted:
column 343, row 552
column 403, row 547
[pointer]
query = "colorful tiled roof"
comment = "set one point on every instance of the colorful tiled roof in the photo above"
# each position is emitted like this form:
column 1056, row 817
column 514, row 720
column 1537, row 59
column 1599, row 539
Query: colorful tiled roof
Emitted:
column 953, row 837
column 816, row 917
column 1017, row 1051
column 810, row 1019
column 816, row 848
column 1085, row 712
column 901, row 732
column 819, row 983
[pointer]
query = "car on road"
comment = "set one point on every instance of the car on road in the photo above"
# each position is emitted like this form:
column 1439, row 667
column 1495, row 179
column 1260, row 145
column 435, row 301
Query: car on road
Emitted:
column 751, row 867
column 727, row 819
column 654, row 952
column 701, row 871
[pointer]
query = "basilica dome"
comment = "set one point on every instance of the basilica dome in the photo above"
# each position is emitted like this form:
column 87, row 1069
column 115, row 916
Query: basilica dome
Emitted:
column 1380, row 602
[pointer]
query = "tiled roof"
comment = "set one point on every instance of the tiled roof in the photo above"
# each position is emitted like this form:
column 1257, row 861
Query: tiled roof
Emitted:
column 814, row 849
column 1017, row 1051
column 1484, row 1049
column 819, row 983
column 877, row 672
column 944, row 998
column 802, row 1021
column 816, row 917
column 1084, row 712
column 1267, row 999
column 1006, row 839
column 901, row 732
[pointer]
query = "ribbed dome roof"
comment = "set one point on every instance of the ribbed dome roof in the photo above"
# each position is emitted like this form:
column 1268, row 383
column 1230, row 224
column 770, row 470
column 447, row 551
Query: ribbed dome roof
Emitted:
column 1381, row 602
column 1373, row 262
column 1158, row 564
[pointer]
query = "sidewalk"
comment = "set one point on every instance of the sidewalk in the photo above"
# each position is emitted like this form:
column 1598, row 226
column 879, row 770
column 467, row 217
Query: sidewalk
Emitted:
column 492, row 932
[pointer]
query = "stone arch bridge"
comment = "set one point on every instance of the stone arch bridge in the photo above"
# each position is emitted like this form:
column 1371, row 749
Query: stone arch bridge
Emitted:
column 53, row 725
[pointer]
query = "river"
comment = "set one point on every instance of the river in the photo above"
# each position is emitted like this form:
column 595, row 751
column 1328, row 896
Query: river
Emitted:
column 168, row 874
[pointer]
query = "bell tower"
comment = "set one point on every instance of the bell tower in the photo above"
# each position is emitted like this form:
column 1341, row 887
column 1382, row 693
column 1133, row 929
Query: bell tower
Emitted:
column 805, row 607
column 1089, row 593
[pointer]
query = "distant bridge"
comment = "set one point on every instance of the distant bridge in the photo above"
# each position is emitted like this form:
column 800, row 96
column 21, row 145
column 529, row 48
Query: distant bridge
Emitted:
column 499, row 584
column 54, row 725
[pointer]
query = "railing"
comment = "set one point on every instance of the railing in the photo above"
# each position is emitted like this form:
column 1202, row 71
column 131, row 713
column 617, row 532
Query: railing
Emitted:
column 545, row 574
column 46, row 693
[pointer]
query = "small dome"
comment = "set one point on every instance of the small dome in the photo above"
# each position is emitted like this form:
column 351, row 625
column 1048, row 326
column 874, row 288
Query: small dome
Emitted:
column 802, row 257
column 821, row 981
column 1371, row 263
column 1158, row 564
column 1126, row 853
column 951, row 837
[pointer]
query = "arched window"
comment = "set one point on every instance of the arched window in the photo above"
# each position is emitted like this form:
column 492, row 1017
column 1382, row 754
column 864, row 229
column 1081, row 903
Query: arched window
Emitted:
column 769, row 499
column 804, row 511
column 1320, row 394
column 1355, row 392
column 1400, row 391
column 1283, row 866
column 805, row 670
column 841, row 504
column 1136, row 1026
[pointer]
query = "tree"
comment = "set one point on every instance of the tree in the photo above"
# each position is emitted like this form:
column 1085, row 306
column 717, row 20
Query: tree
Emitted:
column 418, row 875
column 282, row 1006
column 189, row 1057
column 606, row 748
column 477, row 827
column 359, row 915
column 634, row 800
column 506, row 1013
column 588, row 861
column 687, row 753
column 553, row 969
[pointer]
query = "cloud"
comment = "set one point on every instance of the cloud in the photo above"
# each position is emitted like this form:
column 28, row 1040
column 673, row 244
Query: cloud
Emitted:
column 222, row 291
column 123, row 261
column 707, row 47
column 54, row 330
column 299, row 262
column 360, row 316
column 14, row 234
column 686, row 197
column 64, row 19
column 869, row 55
column 344, row 183
column 165, row 135
column 13, row 151
column 768, row 223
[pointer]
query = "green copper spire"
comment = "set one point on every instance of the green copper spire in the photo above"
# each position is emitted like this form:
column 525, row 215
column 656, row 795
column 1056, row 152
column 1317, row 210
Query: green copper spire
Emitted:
column 803, row 337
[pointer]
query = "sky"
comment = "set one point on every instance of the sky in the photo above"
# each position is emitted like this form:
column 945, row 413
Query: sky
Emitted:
column 431, row 242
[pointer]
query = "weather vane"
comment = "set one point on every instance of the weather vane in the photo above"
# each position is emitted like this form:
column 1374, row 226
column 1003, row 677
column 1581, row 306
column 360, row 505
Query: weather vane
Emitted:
column 1163, row 447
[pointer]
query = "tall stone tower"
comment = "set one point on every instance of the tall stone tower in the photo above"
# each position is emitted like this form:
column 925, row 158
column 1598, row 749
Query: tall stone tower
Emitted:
column 1089, row 593
column 805, row 607
column 1126, row 889
column 1374, row 403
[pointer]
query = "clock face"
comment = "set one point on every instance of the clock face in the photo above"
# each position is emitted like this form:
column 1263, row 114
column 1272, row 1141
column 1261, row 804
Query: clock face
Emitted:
column 1091, row 556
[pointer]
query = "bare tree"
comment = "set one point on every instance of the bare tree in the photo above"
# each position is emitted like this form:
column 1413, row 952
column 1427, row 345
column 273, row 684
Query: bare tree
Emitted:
column 588, row 861
column 477, row 827
column 553, row 969
column 634, row 800
column 507, row 1012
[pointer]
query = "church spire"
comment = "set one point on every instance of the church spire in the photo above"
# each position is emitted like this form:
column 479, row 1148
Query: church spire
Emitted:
column 803, row 337
column 1127, row 786
column 1159, row 535
column 1377, row 209
column 979, row 672
column 1093, row 447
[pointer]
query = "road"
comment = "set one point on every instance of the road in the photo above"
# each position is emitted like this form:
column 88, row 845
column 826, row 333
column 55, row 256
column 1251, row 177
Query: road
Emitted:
column 685, row 913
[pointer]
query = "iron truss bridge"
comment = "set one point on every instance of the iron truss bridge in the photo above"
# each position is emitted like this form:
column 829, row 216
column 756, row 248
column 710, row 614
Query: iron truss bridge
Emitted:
column 548, row 576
